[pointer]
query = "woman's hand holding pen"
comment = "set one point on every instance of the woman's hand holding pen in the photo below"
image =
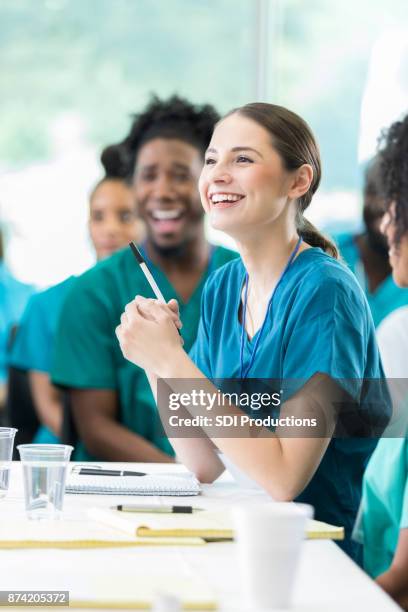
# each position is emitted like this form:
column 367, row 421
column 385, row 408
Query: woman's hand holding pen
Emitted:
column 148, row 334
column 174, row 308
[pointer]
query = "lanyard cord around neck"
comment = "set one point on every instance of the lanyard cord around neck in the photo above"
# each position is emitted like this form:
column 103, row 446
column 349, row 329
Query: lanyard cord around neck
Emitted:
column 243, row 332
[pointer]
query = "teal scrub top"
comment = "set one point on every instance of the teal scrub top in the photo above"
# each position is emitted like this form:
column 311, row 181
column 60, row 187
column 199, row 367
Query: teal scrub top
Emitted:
column 87, row 353
column 384, row 506
column 13, row 299
column 33, row 345
column 319, row 321
column 387, row 297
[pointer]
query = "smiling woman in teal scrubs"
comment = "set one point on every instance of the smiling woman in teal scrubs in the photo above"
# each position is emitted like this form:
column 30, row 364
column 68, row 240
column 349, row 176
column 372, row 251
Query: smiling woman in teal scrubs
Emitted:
column 286, row 310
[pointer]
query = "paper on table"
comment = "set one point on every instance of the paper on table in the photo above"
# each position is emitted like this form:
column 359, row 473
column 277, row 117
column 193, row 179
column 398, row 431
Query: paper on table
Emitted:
column 23, row 533
column 207, row 524
column 121, row 586
column 140, row 592
column 318, row 530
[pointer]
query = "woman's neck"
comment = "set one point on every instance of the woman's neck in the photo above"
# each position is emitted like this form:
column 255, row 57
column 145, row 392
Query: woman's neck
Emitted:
column 265, row 257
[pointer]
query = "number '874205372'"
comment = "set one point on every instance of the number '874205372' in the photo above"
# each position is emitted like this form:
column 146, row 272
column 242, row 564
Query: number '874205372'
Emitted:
column 34, row 598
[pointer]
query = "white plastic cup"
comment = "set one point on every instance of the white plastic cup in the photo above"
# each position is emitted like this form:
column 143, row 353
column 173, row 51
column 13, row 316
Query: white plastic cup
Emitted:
column 269, row 539
column 44, row 474
column 6, row 453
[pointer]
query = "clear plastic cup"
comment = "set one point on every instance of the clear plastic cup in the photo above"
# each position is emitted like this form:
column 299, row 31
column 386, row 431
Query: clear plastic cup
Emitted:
column 269, row 539
column 44, row 472
column 6, row 453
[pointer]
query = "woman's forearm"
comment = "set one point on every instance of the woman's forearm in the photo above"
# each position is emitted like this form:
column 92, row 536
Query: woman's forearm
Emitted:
column 152, row 378
column 272, row 460
column 198, row 455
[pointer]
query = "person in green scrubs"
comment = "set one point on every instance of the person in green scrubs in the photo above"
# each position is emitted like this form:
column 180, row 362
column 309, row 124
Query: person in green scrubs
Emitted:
column 112, row 223
column 366, row 252
column 288, row 311
column 112, row 403
column 382, row 525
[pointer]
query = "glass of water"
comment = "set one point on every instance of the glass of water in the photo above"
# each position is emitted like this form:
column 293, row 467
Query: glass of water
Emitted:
column 6, row 453
column 44, row 473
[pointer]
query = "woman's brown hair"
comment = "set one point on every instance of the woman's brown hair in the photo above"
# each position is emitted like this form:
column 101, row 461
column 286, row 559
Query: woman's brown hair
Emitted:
column 293, row 140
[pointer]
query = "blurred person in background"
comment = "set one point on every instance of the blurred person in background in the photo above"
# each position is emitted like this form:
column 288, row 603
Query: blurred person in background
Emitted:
column 112, row 403
column 366, row 253
column 113, row 223
column 382, row 526
column 13, row 298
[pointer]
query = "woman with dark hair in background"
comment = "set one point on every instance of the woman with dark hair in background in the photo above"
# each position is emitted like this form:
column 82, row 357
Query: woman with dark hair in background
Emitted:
column 112, row 403
column 287, row 311
column 366, row 252
column 113, row 216
column 113, row 222
column 383, row 519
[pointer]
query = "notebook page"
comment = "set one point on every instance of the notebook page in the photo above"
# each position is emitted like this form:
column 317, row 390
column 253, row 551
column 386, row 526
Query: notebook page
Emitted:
column 151, row 484
column 66, row 533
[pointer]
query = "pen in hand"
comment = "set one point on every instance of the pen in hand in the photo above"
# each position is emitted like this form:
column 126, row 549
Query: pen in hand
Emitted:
column 148, row 275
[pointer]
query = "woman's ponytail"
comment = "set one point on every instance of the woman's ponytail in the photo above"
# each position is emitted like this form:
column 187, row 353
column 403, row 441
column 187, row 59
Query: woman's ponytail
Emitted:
column 312, row 236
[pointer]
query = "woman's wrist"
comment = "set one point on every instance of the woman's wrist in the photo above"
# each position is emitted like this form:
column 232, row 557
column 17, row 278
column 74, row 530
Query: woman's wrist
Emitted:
column 174, row 364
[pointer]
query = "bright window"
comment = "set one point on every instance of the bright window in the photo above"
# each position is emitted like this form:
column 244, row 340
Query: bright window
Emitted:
column 73, row 71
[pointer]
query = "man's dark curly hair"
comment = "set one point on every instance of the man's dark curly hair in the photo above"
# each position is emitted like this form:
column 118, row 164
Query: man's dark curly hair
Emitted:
column 393, row 149
column 172, row 118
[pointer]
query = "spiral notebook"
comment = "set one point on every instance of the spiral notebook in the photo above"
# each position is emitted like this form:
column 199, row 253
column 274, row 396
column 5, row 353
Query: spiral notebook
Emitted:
column 151, row 484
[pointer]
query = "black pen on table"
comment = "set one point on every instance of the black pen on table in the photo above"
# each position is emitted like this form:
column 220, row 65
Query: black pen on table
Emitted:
column 157, row 509
column 148, row 275
column 101, row 472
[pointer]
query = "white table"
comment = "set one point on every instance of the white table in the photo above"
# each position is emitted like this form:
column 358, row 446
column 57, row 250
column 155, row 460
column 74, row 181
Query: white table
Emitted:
column 327, row 579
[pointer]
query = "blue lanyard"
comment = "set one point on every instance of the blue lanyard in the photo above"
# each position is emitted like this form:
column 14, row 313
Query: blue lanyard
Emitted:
column 243, row 332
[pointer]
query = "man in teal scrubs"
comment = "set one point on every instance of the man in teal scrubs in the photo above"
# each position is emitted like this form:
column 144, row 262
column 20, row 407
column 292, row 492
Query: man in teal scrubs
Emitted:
column 112, row 403
column 366, row 253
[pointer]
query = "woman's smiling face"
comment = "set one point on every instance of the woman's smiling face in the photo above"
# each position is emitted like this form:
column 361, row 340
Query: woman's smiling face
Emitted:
column 113, row 220
column 243, row 184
